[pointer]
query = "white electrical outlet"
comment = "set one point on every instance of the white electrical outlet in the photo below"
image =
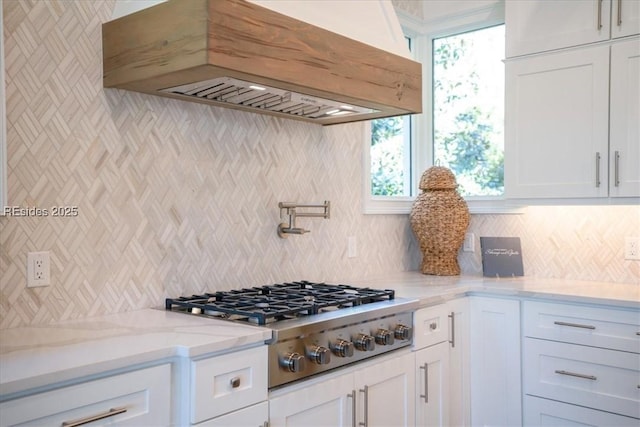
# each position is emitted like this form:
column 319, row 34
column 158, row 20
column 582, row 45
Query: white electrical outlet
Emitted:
column 632, row 248
column 352, row 249
column 469, row 244
column 38, row 269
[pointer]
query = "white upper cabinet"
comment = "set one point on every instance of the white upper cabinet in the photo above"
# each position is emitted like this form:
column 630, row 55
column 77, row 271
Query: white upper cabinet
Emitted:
column 572, row 128
column 624, row 151
column 572, row 99
column 539, row 26
column 556, row 128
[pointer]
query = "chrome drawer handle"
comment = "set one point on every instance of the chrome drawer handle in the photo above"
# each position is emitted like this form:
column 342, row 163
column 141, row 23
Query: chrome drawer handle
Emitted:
column 574, row 325
column 573, row 374
column 110, row 413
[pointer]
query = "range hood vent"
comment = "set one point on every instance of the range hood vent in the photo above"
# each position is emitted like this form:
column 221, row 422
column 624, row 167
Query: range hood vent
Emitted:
column 249, row 95
column 237, row 54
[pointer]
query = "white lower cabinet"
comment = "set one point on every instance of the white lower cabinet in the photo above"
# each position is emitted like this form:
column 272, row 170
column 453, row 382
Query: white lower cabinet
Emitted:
column 441, row 346
column 432, row 386
column 468, row 363
column 137, row 398
column 459, row 363
column 253, row 416
column 550, row 413
column 495, row 362
column 581, row 365
column 228, row 389
column 380, row 393
column 386, row 393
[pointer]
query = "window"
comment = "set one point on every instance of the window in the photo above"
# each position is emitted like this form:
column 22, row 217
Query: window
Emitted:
column 468, row 109
column 462, row 123
column 390, row 156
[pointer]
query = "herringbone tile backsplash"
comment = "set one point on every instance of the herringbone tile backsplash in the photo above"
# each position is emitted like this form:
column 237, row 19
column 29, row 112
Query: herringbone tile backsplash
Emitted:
column 175, row 197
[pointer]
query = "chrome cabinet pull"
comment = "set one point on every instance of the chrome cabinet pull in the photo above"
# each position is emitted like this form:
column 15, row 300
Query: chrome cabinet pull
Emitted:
column 452, row 316
column 110, row 413
column 599, row 14
column 365, row 390
column 574, row 325
column 598, row 170
column 619, row 13
column 425, row 396
column 616, row 168
column 573, row 374
column 352, row 395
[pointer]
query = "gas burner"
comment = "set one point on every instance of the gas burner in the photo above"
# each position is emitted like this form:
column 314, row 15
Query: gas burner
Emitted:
column 281, row 301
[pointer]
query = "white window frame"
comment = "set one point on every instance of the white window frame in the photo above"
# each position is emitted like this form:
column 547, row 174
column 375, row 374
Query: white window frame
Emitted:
column 3, row 132
column 422, row 35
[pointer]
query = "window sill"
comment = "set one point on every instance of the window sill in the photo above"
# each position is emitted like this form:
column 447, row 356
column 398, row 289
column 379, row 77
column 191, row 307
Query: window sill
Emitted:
column 403, row 205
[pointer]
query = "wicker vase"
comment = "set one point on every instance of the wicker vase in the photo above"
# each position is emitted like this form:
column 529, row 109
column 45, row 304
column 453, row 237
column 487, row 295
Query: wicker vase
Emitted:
column 439, row 219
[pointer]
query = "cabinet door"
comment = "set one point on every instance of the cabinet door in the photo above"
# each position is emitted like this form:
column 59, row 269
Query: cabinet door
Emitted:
column 625, row 19
column 432, row 386
column 459, row 379
column 557, row 125
column 495, row 357
column 328, row 403
column 538, row 26
column 386, row 393
column 624, row 157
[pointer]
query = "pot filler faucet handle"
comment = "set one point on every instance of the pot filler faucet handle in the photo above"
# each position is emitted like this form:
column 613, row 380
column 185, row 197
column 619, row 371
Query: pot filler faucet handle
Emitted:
column 291, row 210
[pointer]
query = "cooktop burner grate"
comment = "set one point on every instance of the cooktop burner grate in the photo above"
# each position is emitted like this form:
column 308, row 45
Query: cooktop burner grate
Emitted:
column 271, row 303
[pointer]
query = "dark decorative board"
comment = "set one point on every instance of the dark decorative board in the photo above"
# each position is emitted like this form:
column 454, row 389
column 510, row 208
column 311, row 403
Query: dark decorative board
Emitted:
column 501, row 256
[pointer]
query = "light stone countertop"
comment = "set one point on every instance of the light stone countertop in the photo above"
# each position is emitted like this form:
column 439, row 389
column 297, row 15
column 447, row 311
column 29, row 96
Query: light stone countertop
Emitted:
column 37, row 356
column 433, row 290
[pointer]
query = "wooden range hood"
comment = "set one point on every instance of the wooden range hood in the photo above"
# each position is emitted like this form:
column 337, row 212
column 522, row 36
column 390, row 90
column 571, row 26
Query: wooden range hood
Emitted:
column 236, row 54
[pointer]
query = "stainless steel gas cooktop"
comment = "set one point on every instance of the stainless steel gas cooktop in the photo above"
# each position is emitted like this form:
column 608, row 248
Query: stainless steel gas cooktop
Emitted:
column 315, row 327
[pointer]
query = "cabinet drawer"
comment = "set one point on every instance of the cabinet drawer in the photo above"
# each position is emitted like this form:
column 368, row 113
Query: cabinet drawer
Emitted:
column 593, row 326
column 543, row 412
column 139, row 398
column 225, row 383
column 602, row 379
column 431, row 326
column 253, row 416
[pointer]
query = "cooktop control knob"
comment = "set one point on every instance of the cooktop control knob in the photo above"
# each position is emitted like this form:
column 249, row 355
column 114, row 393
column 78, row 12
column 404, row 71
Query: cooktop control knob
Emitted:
column 320, row 355
column 384, row 337
column 402, row 332
column 364, row 342
column 343, row 348
column 292, row 362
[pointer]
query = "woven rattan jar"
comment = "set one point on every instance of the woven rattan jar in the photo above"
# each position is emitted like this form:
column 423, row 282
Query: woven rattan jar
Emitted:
column 439, row 219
